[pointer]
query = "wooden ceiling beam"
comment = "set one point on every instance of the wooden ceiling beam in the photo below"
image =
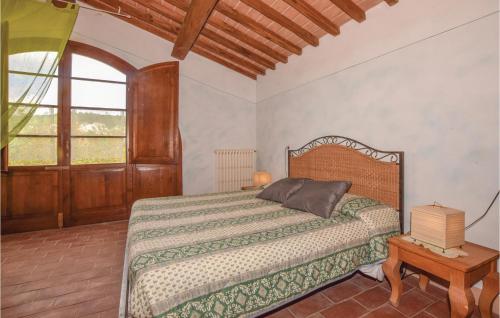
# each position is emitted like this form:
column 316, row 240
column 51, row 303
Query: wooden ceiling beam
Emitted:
column 391, row 2
column 230, row 56
column 247, row 22
column 315, row 16
column 285, row 22
column 181, row 4
column 220, row 25
column 238, row 48
column 197, row 15
column 155, row 6
column 132, row 20
column 201, row 51
column 351, row 9
column 216, row 38
column 256, row 27
column 167, row 32
column 248, row 40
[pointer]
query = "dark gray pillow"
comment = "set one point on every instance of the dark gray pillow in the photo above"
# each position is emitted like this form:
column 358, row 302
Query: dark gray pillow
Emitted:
column 318, row 197
column 281, row 190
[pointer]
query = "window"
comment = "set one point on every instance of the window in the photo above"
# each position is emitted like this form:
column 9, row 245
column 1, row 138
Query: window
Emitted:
column 98, row 112
column 95, row 125
column 40, row 132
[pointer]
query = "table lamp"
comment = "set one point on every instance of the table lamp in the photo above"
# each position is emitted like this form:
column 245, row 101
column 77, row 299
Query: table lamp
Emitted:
column 261, row 178
column 438, row 225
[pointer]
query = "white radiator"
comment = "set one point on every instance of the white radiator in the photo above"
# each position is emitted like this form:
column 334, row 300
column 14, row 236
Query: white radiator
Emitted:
column 234, row 168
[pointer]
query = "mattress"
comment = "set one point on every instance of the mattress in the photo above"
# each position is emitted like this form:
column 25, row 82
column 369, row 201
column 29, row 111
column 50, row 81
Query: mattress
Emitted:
column 234, row 255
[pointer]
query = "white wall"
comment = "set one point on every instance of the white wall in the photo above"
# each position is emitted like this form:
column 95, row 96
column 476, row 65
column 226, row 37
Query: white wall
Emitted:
column 209, row 121
column 216, row 105
column 421, row 77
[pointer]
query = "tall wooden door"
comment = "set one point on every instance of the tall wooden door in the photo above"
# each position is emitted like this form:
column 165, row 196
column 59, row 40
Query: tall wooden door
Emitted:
column 95, row 107
column 156, row 151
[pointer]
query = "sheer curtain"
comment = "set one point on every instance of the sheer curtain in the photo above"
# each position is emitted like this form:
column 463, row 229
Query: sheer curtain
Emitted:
column 34, row 35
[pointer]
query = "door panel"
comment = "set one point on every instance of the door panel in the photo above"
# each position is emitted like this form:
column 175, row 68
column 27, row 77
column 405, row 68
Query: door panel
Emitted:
column 98, row 194
column 155, row 181
column 155, row 114
column 33, row 200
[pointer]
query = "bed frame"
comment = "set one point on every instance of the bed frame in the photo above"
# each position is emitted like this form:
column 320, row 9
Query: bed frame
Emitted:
column 374, row 173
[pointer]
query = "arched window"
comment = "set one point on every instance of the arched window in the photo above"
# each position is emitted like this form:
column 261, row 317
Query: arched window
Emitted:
column 83, row 117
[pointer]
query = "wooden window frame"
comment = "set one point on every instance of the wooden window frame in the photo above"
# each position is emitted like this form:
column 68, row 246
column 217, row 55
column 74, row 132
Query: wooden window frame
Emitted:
column 64, row 106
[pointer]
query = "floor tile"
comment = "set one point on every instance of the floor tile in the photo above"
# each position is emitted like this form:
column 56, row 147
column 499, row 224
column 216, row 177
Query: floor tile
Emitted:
column 346, row 309
column 373, row 298
column 407, row 285
column 413, row 302
column 386, row 311
column 310, row 305
column 423, row 315
column 364, row 281
column 342, row 291
column 283, row 313
column 439, row 309
column 437, row 292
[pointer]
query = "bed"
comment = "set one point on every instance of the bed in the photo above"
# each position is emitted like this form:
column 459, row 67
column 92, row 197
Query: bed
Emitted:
column 234, row 255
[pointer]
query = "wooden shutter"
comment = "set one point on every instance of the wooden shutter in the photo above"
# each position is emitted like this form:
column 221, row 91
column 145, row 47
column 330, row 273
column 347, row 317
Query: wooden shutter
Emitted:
column 155, row 114
column 155, row 152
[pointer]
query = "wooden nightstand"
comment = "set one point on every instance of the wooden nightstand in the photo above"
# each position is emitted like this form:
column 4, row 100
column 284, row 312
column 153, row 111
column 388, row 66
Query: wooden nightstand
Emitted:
column 252, row 187
column 461, row 272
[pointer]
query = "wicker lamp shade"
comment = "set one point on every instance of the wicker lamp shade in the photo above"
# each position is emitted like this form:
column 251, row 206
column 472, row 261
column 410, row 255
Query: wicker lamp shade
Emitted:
column 438, row 225
column 261, row 178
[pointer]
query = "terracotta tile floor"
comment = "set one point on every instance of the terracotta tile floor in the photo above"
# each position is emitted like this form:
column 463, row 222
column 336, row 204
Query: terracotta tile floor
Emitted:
column 76, row 272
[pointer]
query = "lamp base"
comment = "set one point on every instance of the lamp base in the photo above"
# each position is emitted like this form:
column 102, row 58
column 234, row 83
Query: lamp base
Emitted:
column 252, row 187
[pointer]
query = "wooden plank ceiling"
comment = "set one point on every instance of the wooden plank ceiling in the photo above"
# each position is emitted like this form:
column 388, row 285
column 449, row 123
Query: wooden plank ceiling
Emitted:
column 247, row 36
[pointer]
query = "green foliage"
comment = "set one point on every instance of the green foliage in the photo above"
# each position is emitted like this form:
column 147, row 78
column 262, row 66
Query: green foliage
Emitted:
column 98, row 123
column 32, row 151
column 29, row 151
column 97, row 150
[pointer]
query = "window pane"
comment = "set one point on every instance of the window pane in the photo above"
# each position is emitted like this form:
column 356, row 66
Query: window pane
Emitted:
column 43, row 121
column 98, row 94
column 33, row 151
column 98, row 150
column 87, row 67
column 35, row 86
column 31, row 61
column 98, row 123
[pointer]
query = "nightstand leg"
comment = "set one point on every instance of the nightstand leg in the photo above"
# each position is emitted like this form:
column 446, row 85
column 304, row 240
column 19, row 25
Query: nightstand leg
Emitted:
column 461, row 297
column 488, row 294
column 391, row 270
column 423, row 281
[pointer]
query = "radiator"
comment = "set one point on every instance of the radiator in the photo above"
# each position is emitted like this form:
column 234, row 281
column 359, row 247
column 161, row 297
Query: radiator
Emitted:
column 234, row 168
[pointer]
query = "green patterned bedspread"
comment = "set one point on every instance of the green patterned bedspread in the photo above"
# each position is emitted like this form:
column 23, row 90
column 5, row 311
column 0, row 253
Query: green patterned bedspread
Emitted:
column 232, row 255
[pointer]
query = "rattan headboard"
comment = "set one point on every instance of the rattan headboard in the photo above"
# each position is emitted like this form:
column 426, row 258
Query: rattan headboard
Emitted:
column 374, row 173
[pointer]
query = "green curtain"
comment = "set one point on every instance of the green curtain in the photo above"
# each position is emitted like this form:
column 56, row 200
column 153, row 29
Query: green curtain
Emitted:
column 34, row 35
